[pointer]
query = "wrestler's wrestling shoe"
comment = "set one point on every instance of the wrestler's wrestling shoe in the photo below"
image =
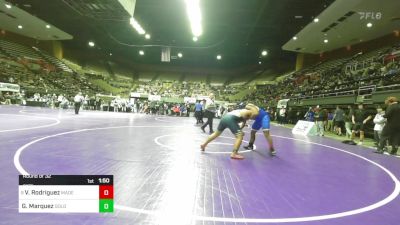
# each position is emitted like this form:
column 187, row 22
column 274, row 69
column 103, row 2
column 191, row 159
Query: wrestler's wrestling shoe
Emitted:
column 272, row 152
column 248, row 147
column 236, row 156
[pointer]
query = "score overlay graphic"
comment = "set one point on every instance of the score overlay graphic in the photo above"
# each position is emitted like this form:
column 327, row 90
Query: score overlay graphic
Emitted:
column 66, row 194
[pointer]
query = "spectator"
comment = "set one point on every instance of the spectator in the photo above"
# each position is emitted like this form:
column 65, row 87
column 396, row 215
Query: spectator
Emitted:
column 123, row 104
column 329, row 120
column 115, row 104
column 176, row 110
column 347, row 121
column 165, row 107
column 282, row 116
column 319, row 120
column 98, row 103
column 86, row 102
column 391, row 130
column 197, row 112
column 2, row 99
column 359, row 118
column 310, row 115
column 291, row 115
column 182, row 110
column 7, row 98
column 60, row 98
column 338, row 118
column 379, row 122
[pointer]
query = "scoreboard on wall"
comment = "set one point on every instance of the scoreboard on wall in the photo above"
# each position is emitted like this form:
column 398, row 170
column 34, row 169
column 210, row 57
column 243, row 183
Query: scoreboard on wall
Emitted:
column 66, row 194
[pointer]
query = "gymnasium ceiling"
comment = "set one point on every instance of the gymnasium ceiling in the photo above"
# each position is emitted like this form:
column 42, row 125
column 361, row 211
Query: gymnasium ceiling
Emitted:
column 237, row 29
column 345, row 23
column 33, row 27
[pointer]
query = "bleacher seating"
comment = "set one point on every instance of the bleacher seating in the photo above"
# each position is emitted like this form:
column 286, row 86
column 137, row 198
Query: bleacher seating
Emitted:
column 53, row 60
column 333, row 78
column 324, row 79
column 19, row 51
column 33, row 58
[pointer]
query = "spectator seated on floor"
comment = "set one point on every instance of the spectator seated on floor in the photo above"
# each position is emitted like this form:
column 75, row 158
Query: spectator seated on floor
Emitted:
column 176, row 110
column 2, row 99
column 7, row 99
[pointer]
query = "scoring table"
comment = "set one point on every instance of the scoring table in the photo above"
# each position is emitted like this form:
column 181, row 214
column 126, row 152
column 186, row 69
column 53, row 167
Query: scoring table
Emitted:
column 66, row 194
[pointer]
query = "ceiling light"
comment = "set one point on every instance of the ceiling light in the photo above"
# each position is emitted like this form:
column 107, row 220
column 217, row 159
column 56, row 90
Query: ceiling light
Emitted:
column 369, row 24
column 141, row 52
column 294, row 38
column 48, row 26
column 137, row 26
column 264, row 53
column 326, row 41
column 180, row 55
column 194, row 14
column 147, row 36
column 195, row 39
column 316, row 20
column 19, row 26
column 219, row 57
column 8, row 6
column 91, row 43
column 259, row 62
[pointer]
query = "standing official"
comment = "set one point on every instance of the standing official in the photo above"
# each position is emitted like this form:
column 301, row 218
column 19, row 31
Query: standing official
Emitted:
column 78, row 99
column 209, row 113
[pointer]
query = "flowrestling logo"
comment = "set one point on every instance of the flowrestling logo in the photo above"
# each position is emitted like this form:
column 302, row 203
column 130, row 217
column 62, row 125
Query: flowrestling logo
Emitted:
column 370, row 15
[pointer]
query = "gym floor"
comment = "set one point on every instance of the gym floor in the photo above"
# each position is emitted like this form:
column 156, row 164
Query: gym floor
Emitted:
column 162, row 177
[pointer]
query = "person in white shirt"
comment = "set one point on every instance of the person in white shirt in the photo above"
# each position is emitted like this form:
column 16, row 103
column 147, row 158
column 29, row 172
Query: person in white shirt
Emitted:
column 282, row 115
column 78, row 99
column 117, row 103
column 59, row 100
column 379, row 121
column 210, row 109
column 114, row 104
column 123, row 105
column 64, row 103
column 130, row 105
column 86, row 102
